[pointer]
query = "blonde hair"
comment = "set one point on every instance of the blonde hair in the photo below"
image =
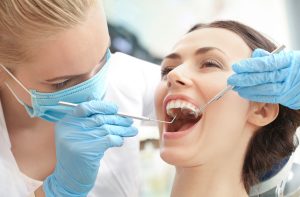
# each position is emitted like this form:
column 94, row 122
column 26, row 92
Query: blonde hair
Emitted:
column 24, row 21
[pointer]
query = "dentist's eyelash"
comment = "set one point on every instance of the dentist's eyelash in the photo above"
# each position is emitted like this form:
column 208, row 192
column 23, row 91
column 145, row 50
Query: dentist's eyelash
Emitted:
column 62, row 84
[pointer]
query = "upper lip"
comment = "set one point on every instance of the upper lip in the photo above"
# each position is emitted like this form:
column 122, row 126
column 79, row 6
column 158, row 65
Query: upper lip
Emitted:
column 178, row 96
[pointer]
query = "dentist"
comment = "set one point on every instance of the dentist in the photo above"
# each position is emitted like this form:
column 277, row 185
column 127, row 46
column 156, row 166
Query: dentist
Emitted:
column 55, row 51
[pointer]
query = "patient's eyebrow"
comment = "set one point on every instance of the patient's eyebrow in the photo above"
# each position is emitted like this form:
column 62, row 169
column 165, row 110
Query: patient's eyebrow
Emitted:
column 173, row 56
column 198, row 51
column 207, row 49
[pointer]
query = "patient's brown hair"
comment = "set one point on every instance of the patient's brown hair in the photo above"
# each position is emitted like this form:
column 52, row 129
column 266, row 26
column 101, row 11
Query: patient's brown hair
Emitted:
column 275, row 141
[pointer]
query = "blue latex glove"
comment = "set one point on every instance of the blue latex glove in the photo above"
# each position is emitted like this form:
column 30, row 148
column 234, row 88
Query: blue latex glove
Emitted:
column 269, row 78
column 81, row 139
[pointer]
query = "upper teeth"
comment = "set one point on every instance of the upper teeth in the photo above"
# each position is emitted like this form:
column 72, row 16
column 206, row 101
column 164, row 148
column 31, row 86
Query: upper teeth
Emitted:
column 180, row 104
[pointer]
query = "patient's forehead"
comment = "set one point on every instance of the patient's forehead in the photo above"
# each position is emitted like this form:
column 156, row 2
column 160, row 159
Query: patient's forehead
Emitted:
column 226, row 40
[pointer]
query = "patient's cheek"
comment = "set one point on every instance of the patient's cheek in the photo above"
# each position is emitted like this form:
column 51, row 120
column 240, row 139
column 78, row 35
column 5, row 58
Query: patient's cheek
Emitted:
column 231, row 101
column 211, row 84
column 160, row 92
column 234, row 105
column 211, row 89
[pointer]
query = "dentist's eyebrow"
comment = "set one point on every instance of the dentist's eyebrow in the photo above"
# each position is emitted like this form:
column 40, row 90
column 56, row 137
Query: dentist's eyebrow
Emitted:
column 101, row 62
column 62, row 78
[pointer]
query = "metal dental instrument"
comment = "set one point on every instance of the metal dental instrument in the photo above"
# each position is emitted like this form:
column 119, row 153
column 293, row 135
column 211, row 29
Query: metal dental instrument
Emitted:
column 122, row 114
column 229, row 87
column 200, row 111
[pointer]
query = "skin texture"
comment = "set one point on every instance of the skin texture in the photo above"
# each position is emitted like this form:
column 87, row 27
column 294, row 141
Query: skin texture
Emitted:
column 208, row 156
column 76, row 51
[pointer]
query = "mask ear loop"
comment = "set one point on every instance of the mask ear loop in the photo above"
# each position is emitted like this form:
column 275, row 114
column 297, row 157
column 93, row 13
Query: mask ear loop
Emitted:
column 22, row 103
column 10, row 89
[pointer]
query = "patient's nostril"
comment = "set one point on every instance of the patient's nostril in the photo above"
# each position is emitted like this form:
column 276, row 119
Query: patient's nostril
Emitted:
column 169, row 84
column 180, row 82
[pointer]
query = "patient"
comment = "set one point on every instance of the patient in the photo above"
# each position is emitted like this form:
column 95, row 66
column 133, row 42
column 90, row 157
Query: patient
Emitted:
column 235, row 142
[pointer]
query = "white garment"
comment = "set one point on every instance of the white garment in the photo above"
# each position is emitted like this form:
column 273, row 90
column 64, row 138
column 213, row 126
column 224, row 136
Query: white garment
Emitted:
column 12, row 182
column 131, row 86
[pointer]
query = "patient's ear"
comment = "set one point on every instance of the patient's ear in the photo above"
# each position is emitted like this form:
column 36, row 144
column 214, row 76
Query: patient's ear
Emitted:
column 261, row 114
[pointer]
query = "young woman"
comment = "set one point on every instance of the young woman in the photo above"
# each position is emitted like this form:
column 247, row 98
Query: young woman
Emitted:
column 225, row 150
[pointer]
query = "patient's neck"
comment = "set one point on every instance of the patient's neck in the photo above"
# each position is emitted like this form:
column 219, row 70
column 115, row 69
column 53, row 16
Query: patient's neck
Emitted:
column 210, row 180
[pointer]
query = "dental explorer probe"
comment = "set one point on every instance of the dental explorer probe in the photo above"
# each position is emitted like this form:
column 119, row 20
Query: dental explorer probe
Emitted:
column 122, row 114
column 229, row 87
column 200, row 111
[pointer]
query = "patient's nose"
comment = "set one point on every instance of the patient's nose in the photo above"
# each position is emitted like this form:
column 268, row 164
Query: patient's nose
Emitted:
column 178, row 78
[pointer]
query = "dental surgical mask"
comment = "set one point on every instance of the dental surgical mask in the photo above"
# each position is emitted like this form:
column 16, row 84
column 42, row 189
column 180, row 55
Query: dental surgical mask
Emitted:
column 46, row 106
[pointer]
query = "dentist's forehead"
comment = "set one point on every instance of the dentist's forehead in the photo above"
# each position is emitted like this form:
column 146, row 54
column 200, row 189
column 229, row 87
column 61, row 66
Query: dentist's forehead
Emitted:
column 219, row 38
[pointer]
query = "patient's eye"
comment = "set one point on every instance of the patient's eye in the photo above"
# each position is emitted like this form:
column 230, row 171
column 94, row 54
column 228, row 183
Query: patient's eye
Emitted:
column 165, row 70
column 168, row 65
column 211, row 63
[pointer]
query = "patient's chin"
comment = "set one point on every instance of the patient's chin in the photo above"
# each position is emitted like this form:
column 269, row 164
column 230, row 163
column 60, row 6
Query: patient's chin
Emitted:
column 174, row 158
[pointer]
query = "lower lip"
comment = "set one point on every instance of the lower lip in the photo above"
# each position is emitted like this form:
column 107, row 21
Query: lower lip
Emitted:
column 178, row 134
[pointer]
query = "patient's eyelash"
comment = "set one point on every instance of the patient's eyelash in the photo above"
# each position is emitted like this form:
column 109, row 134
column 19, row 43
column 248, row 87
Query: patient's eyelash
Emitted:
column 212, row 63
column 166, row 70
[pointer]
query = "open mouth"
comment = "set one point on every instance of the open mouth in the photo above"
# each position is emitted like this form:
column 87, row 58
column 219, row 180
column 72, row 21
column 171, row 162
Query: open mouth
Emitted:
column 187, row 115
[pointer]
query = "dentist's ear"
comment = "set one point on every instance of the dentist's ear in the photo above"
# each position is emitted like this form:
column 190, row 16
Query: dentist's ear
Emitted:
column 262, row 114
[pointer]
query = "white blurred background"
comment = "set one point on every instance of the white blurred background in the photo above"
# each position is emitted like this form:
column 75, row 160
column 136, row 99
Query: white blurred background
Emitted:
column 159, row 23
column 149, row 28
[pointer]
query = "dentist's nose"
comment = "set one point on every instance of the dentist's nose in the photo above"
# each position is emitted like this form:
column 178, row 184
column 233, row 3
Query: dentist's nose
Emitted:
column 178, row 78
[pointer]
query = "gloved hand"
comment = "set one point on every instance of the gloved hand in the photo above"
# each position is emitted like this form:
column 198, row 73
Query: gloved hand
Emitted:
column 269, row 78
column 81, row 139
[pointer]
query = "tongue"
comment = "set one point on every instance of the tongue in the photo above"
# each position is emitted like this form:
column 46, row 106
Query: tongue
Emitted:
column 183, row 122
column 184, row 127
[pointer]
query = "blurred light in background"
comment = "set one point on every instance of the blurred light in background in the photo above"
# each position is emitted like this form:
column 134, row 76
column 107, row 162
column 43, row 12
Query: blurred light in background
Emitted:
column 158, row 24
column 293, row 7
